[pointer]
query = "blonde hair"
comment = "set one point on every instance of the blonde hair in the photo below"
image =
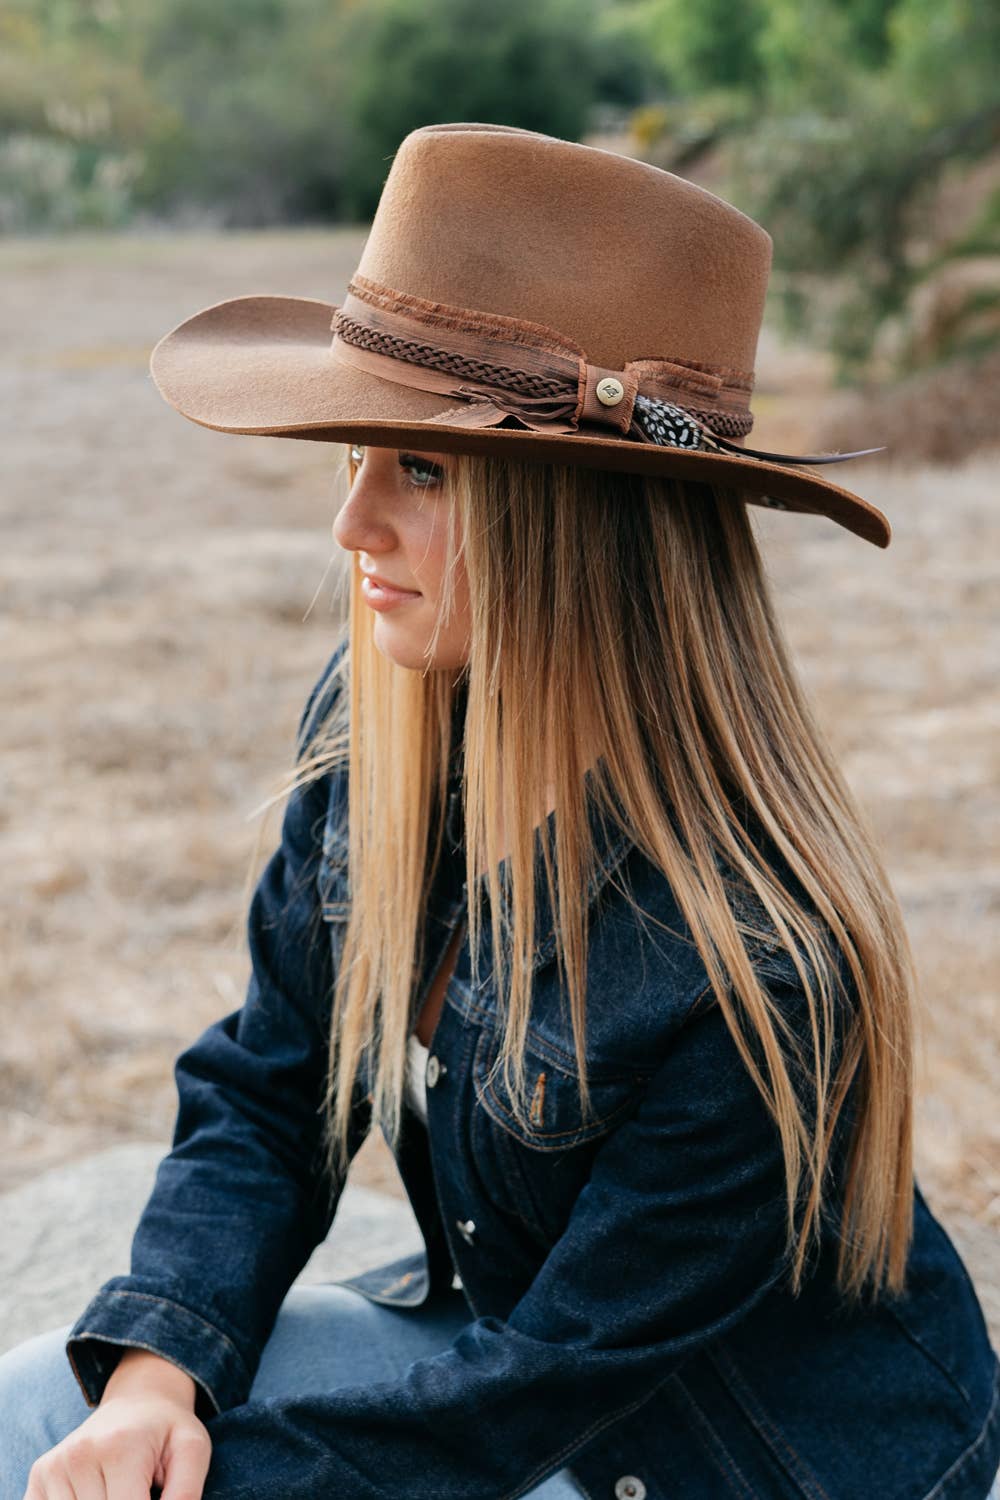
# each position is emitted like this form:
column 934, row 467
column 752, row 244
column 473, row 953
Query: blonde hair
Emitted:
column 638, row 610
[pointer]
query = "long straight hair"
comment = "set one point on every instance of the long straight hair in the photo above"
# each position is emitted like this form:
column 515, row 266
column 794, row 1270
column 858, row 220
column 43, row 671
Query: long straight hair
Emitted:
column 631, row 614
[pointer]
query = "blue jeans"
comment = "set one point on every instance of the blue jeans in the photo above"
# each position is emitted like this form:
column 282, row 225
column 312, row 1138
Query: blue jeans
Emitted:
column 324, row 1336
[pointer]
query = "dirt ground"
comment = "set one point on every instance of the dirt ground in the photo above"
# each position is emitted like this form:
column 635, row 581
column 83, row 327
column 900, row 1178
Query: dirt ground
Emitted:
column 168, row 598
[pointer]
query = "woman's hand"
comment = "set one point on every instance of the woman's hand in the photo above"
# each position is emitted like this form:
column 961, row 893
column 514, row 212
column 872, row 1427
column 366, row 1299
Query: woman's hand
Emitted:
column 143, row 1434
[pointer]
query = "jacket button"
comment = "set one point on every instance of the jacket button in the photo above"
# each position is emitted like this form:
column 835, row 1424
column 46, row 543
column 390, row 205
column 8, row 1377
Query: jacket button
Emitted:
column 629, row 1488
column 435, row 1067
column 466, row 1228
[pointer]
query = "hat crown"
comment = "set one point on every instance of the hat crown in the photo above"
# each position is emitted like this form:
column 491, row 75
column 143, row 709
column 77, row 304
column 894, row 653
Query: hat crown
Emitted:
column 524, row 296
column 626, row 259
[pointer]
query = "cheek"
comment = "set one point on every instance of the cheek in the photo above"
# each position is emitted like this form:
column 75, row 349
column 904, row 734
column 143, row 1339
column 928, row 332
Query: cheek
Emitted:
column 428, row 549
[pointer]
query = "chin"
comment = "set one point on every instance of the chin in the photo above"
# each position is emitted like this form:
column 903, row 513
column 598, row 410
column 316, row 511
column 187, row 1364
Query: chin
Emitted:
column 412, row 654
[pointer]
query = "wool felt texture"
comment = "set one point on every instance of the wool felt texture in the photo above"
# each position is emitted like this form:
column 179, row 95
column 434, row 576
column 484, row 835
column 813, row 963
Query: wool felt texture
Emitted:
column 508, row 231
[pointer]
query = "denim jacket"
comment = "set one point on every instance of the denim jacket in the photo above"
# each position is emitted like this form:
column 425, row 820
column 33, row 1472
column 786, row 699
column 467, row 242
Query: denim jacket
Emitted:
column 624, row 1273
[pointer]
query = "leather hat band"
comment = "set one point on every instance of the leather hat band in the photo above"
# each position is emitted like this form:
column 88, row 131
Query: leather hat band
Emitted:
column 499, row 367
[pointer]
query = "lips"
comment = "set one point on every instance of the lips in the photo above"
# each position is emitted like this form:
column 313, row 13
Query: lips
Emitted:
column 387, row 583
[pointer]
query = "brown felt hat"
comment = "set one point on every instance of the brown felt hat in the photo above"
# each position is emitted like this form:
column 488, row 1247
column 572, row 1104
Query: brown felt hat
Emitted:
column 526, row 295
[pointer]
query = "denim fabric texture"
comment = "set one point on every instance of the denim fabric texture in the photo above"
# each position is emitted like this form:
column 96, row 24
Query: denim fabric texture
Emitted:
column 628, row 1315
column 325, row 1337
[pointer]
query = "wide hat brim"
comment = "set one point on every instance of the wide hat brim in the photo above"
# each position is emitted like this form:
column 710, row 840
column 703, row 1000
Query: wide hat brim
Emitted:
column 262, row 366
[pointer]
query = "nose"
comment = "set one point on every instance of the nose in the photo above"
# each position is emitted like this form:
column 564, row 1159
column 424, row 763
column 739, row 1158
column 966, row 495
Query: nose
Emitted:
column 362, row 523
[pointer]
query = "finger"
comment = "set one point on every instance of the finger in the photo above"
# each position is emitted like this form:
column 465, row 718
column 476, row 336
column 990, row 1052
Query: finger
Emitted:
column 87, row 1484
column 127, row 1477
column 48, row 1480
column 79, row 1458
column 187, row 1465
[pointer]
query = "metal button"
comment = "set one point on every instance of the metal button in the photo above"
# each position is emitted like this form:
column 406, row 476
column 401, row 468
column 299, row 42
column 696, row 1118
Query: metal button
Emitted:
column 466, row 1228
column 609, row 391
column 435, row 1067
column 629, row 1488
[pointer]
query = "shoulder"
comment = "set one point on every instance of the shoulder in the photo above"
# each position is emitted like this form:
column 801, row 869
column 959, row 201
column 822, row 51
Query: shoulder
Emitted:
column 642, row 935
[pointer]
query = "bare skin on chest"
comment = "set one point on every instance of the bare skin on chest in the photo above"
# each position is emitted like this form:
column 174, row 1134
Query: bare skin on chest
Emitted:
column 431, row 1009
column 428, row 1019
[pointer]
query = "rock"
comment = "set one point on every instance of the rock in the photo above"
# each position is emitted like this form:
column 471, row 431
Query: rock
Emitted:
column 70, row 1230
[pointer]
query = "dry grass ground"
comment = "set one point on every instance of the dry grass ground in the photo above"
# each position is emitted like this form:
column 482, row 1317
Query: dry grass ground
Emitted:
column 168, row 601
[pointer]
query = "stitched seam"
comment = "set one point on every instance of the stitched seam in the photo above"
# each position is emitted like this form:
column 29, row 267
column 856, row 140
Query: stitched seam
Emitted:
column 717, row 1446
column 553, row 1053
column 169, row 1302
column 598, row 1426
column 79, row 1379
column 620, row 847
column 928, row 1353
column 773, row 1438
column 580, row 1133
column 523, row 1196
column 138, row 1344
column 548, row 1051
column 576, row 1133
column 969, row 1453
column 545, row 947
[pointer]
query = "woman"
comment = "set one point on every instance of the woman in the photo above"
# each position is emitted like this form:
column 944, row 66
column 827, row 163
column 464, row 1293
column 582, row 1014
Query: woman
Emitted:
column 571, row 899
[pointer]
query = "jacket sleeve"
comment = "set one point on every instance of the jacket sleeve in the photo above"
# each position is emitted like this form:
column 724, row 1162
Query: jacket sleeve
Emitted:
column 237, row 1205
column 677, row 1234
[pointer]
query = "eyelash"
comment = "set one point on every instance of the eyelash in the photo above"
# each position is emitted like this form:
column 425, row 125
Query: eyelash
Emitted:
column 409, row 461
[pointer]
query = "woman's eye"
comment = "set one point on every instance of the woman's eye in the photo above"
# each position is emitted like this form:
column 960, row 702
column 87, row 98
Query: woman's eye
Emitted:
column 423, row 475
column 413, row 465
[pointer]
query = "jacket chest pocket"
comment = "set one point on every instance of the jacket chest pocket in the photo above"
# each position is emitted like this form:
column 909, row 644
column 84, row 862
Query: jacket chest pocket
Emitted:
column 534, row 1168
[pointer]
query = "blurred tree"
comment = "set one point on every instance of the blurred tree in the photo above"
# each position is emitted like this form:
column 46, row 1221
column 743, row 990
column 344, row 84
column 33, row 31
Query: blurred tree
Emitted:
column 849, row 191
column 255, row 111
column 74, row 113
column 835, row 123
column 625, row 75
column 253, row 127
column 712, row 45
column 534, row 64
column 869, row 29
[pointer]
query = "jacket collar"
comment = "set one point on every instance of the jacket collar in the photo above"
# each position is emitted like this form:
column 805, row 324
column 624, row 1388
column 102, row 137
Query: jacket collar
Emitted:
column 611, row 845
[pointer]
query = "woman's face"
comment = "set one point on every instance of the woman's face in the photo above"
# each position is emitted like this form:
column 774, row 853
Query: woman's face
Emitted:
column 398, row 519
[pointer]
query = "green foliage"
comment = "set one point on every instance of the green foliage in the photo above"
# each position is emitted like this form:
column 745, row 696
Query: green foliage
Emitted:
column 257, row 111
column 836, row 195
column 945, row 60
column 837, row 136
column 253, row 128
column 807, row 51
column 834, row 122
column 533, row 66
column 58, row 185
column 711, row 45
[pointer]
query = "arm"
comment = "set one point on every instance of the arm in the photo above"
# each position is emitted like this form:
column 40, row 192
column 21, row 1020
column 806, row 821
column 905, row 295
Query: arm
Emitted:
column 677, row 1235
column 238, row 1205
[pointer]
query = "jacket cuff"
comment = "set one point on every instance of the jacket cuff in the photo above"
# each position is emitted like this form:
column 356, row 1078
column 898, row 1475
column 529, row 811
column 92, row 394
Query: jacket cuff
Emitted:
column 119, row 1319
